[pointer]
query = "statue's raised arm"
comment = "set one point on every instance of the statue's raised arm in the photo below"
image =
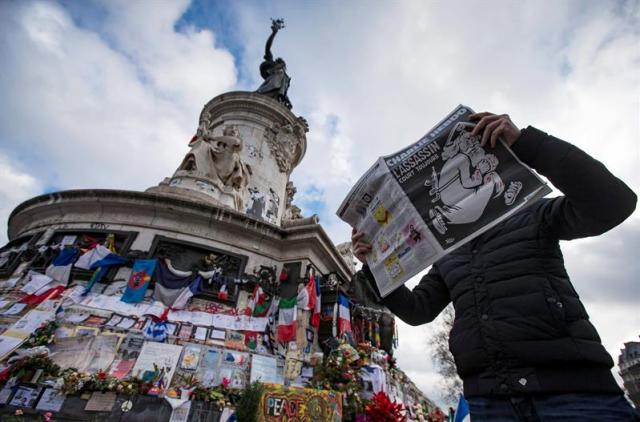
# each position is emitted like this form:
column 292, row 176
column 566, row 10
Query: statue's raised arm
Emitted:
column 276, row 25
column 274, row 72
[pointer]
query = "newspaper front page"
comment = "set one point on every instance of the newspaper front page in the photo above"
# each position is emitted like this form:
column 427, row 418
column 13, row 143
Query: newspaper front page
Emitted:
column 433, row 196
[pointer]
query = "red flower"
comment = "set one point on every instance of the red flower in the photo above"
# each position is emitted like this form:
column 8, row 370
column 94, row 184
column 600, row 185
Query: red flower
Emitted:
column 101, row 375
column 382, row 409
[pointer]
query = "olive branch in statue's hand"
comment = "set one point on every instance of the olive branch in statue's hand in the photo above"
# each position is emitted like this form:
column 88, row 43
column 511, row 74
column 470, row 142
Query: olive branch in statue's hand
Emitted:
column 277, row 24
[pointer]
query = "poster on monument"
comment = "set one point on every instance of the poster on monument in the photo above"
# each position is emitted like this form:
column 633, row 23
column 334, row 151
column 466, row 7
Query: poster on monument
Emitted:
column 234, row 368
column 51, row 400
column 190, row 357
column 208, row 372
column 8, row 345
column 264, row 369
column 153, row 355
column 25, row 396
column 435, row 195
column 30, row 322
column 72, row 352
column 103, row 350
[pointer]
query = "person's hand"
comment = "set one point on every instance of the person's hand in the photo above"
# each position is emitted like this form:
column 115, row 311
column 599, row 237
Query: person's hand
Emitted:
column 360, row 248
column 493, row 126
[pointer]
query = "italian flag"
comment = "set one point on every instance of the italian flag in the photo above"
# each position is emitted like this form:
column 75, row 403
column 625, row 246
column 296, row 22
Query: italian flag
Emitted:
column 262, row 306
column 257, row 305
column 287, row 314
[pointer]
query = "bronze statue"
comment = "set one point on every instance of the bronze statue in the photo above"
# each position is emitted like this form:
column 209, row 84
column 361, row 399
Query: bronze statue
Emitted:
column 274, row 72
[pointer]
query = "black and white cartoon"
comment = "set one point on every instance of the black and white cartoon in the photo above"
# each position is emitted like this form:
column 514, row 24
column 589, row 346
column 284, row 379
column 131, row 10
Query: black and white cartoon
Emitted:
column 468, row 180
column 512, row 192
column 272, row 206
column 257, row 203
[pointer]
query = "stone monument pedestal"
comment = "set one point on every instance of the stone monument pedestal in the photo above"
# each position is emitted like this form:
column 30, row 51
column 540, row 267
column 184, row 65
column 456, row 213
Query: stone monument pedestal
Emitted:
column 273, row 143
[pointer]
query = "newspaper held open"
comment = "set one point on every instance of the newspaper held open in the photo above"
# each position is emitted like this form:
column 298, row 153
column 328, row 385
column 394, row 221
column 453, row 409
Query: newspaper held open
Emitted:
column 433, row 196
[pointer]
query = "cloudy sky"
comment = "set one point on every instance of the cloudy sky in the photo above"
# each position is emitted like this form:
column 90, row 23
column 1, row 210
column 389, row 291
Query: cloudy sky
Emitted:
column 106, row 94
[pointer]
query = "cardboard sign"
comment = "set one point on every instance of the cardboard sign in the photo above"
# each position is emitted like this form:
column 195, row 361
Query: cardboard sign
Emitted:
column 282, row 404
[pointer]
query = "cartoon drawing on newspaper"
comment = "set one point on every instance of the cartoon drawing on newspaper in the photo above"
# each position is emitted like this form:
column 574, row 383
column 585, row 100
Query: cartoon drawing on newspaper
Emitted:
column 468, row 180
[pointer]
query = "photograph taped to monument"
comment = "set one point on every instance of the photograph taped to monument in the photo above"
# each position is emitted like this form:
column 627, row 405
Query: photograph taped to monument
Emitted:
column 435, row 195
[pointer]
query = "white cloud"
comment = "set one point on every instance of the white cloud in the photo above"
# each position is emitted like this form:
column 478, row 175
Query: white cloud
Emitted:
column 182, row 67
column 16, row 185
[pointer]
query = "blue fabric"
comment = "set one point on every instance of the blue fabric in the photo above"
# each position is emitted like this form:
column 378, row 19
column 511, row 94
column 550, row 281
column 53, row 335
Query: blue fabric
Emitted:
column 196, row 286
column 165, row 277
column 103, row 266
column 139, row 281
column 462, row 411
column 157, row 331
column 176, row 298
column 110, row 261
column 553, row 408
column 343, row 300
column 67, row 256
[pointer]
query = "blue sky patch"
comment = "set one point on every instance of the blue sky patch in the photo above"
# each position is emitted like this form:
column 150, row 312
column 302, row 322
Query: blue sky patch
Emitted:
column 312, row 201
column 220, row 17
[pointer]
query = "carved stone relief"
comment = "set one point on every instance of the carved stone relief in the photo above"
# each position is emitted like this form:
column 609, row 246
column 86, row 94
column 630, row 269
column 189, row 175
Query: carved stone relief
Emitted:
column 291, row 212
column 285, row 142
column 346, row 252
column 291, row 191
column 217, row 160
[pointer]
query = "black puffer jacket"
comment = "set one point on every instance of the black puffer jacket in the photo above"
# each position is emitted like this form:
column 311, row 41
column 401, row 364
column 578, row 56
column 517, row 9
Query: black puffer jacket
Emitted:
column 520, row 326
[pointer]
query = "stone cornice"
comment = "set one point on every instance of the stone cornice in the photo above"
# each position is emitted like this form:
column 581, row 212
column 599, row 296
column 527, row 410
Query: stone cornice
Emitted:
column 112, row 205
column 239, row 102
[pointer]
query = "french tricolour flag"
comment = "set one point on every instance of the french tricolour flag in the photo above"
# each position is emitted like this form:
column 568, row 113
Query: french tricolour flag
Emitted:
column 462, row 412
column 344, row 316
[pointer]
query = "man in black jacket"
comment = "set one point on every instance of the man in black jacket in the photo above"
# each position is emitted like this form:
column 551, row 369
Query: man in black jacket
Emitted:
column 522, row 340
